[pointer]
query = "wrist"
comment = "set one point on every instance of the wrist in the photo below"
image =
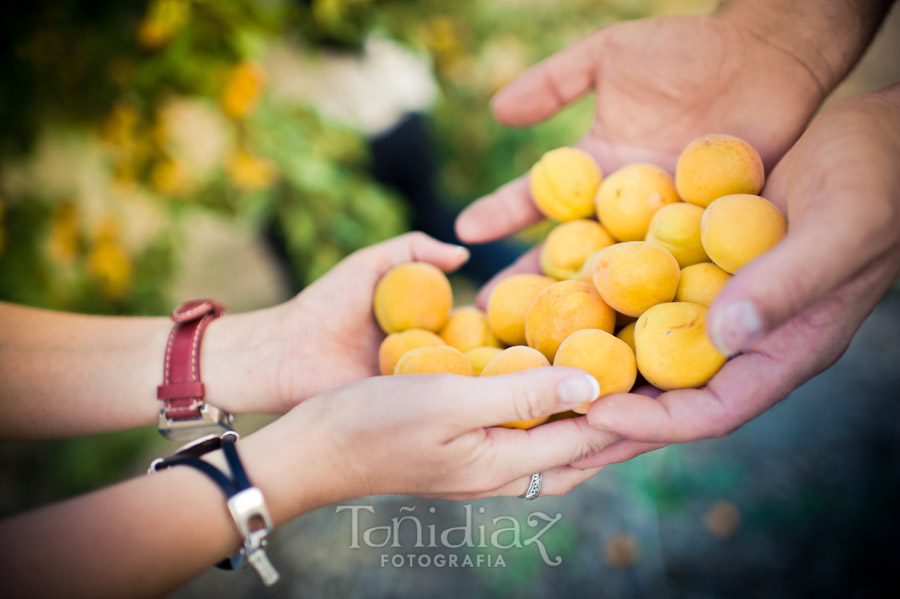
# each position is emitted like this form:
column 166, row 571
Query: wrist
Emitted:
column 294, row 464
column 824, row 38
column 238, row 363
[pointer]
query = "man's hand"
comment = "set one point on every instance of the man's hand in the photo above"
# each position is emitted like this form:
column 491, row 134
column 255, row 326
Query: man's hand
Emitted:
column 758, row 69
column 793, row 310
column 659, row 84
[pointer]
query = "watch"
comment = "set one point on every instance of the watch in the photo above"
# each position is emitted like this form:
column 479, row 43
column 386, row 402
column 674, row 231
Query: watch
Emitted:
column 185, row 415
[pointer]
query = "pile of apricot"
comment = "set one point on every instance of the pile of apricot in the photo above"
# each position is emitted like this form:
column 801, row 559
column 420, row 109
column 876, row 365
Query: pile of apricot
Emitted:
column 628, row 275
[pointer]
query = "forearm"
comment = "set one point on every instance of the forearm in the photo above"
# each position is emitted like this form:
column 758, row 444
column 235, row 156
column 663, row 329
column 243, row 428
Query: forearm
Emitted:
column 827, row 37
column 149, row 535
column 66, row 374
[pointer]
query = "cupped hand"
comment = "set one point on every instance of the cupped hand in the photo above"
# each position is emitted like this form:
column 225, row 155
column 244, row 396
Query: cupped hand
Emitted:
column 793, row 310
column 435, row 435
column 659, row 84
column 326, row 337
column 328, row 332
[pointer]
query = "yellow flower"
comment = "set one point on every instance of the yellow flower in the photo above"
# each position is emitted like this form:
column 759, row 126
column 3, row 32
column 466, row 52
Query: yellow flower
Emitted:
column 63, row 244
column 110, row 268
column 168, row 177
column 248, row 172
column 121, row 125
column 163, row 21
column 243, row 90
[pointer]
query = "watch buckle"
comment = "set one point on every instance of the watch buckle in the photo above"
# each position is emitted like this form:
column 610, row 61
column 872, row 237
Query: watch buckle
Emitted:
column 212, row 421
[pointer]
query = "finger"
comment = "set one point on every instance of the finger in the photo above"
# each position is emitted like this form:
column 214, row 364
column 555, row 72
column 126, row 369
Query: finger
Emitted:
column 833, row 234
column 797, row 272
column 548, row 86
column 554, row 482
column 499, row 214
column 547, row 446
column 618, row 452
column 536, row 393
column 410, row 247
column 754, row 381
column 529, row 262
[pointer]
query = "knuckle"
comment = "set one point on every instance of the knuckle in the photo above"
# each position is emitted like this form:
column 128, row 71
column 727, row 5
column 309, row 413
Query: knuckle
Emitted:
column 527, row 403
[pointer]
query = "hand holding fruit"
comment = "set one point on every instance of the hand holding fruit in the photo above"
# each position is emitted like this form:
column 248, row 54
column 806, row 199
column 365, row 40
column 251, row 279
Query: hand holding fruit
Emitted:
column 794, row 309
column 656, row 91
column 325, row 337
column 435, row 435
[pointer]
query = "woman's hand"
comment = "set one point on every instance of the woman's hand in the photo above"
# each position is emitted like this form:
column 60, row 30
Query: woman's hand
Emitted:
column 432, row 435
column 322, row 339
column 793, row 310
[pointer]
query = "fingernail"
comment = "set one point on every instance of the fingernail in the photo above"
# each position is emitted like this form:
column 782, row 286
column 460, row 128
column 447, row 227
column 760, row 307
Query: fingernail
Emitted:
column 737, row 327
column 577, row 390
column 461, row 251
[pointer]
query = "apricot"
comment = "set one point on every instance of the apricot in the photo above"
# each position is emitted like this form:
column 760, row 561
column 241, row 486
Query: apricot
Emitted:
column 626, row 334
column 716, row 165
column 628, row 199
column 563, row 183
column 676, row 227
column 560, row 310
column 673, row 350
column 635, row 275
column 701, row 283
column 607, row 358
column 570, row 244
column 467, row 328
column 516, row 359
column 737, row 228
column 434, row 360
column 478, row 357
column 509, row 302
column 396, row 344
column 412, row 296
column 586, row 274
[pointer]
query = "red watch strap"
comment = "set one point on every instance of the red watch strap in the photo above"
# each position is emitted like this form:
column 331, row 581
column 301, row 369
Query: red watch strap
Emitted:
column 182, row 390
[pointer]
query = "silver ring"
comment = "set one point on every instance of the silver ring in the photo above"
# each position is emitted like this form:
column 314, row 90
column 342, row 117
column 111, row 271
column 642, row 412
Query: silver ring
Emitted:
column 534, row 487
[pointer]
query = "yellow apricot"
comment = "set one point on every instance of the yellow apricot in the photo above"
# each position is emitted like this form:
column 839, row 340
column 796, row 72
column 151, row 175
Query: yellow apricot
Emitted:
column 586, row 274
column 479, row 357
column 605, row 357
column 516, row 359
column 396, row 344
column 466, row 328
column 626, row 334
column 673, row 350
column 716, row 165
column 412, row 296
column 676, row 227
column 737, row 228
column 563, row 183
column 434, row 360
column 560, row 310
column 509, row 303
column 569, row 245
column 701, row 283
column 628, row 199
column 635, row 275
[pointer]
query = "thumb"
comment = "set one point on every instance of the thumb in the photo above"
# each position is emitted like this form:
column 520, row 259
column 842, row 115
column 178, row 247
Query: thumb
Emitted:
column 409, row 247
column 525, row 395
column 548, row 86
column 824, row 247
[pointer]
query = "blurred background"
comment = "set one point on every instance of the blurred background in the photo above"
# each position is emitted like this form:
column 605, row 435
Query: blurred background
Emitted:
column 156, row 151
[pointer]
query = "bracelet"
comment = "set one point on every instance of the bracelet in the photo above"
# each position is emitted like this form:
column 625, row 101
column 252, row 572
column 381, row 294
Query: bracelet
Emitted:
column 245, row 502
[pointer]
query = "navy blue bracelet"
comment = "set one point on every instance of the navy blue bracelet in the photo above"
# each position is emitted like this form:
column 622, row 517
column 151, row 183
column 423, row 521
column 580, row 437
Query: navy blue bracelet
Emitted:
column 245, row 502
